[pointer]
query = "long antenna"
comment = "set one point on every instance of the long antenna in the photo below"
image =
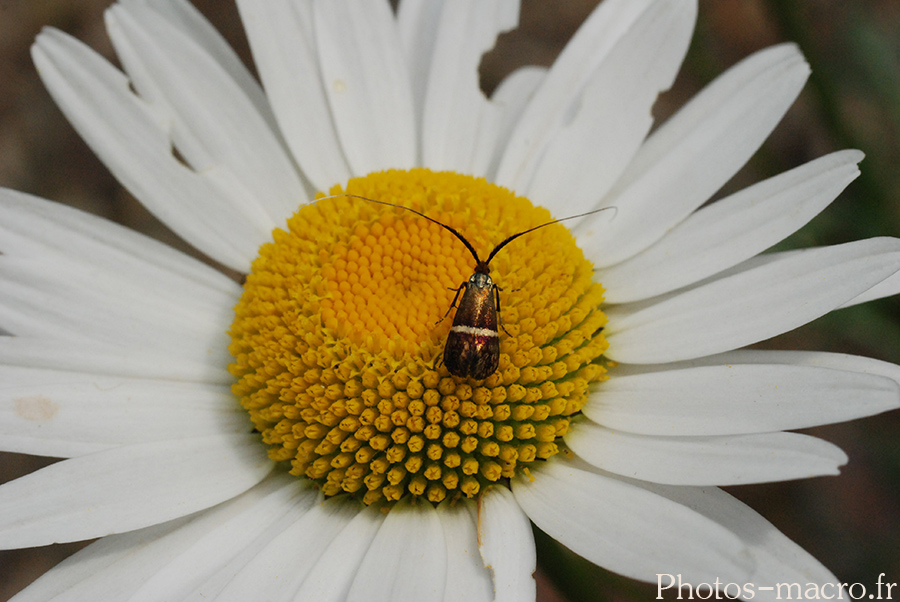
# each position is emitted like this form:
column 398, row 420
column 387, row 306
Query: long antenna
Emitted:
column 556, row 221
column 460, row 236
column 442, row 225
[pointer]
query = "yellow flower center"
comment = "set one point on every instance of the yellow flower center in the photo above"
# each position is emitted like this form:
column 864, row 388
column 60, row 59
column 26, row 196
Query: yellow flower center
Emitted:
column 338, row 339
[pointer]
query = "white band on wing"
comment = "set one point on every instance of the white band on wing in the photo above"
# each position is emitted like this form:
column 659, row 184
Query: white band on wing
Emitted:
column 478, row 332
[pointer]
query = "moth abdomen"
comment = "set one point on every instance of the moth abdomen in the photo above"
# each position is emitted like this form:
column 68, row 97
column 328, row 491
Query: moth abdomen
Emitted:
column 473, row 345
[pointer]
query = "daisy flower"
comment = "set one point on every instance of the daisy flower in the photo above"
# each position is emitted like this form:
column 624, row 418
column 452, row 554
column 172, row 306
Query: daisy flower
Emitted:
column 297, row 435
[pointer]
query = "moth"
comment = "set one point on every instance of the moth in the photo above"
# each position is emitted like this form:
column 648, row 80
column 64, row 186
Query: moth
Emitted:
column 473, row 345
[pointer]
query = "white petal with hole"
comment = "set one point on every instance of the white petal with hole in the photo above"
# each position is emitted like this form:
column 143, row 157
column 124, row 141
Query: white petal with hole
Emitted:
column 127, row 488
column 731, row 230
column 467, row 578
column 67, row 414
column 733, row 399
column 749, row 305
column 608, row 521
column 215, row 126
column 612, row 116
column 728, row 460
column 461, row 126
column 366, row 80
column 694, row 153
column 281, row 37
column 507, row 545
column 185, row 16
column 96, row 99
column 407, row 559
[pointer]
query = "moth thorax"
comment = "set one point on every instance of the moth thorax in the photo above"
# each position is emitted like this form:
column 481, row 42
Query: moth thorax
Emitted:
column 481, row 280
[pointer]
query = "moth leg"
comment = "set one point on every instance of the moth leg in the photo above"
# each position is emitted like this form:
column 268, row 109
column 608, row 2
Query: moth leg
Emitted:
column 453, row 303
column 497, row 290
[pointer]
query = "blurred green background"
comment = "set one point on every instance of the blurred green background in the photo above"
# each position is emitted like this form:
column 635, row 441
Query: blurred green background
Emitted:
column 852, row 522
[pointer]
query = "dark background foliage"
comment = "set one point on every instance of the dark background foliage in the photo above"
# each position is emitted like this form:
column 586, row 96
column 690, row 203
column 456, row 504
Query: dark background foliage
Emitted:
column 852, row 100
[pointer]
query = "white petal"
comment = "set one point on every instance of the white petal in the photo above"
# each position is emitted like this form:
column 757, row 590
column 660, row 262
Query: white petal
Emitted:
column 217, row 539
column 279, row 568
column 330, row 579
column 417, row 23
column 731, row 230
column 217, row 580
column 70, row 275
column 132, row 306
column 777, row 559
column 460, row 126
column 612, row 117
column 127, row 488
column 467, row 578
column 753, row 303
column 694, row 153
column 563, row 86
column 215, row 126
column 886, row 288
column 729, row 460
column 104, row 359
column 281, row 38
column 510, row 98
column 507, row 545
column 407, row 559
column 734, row 399
column 128, row 136
column 26, row 315
column 65, row 299
column 149, row 564
column 31, row 226
column 627, row 529
column 79, row 573
column 367, row 83
column 66, row 414
column 817, row 359
column 183, row 15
